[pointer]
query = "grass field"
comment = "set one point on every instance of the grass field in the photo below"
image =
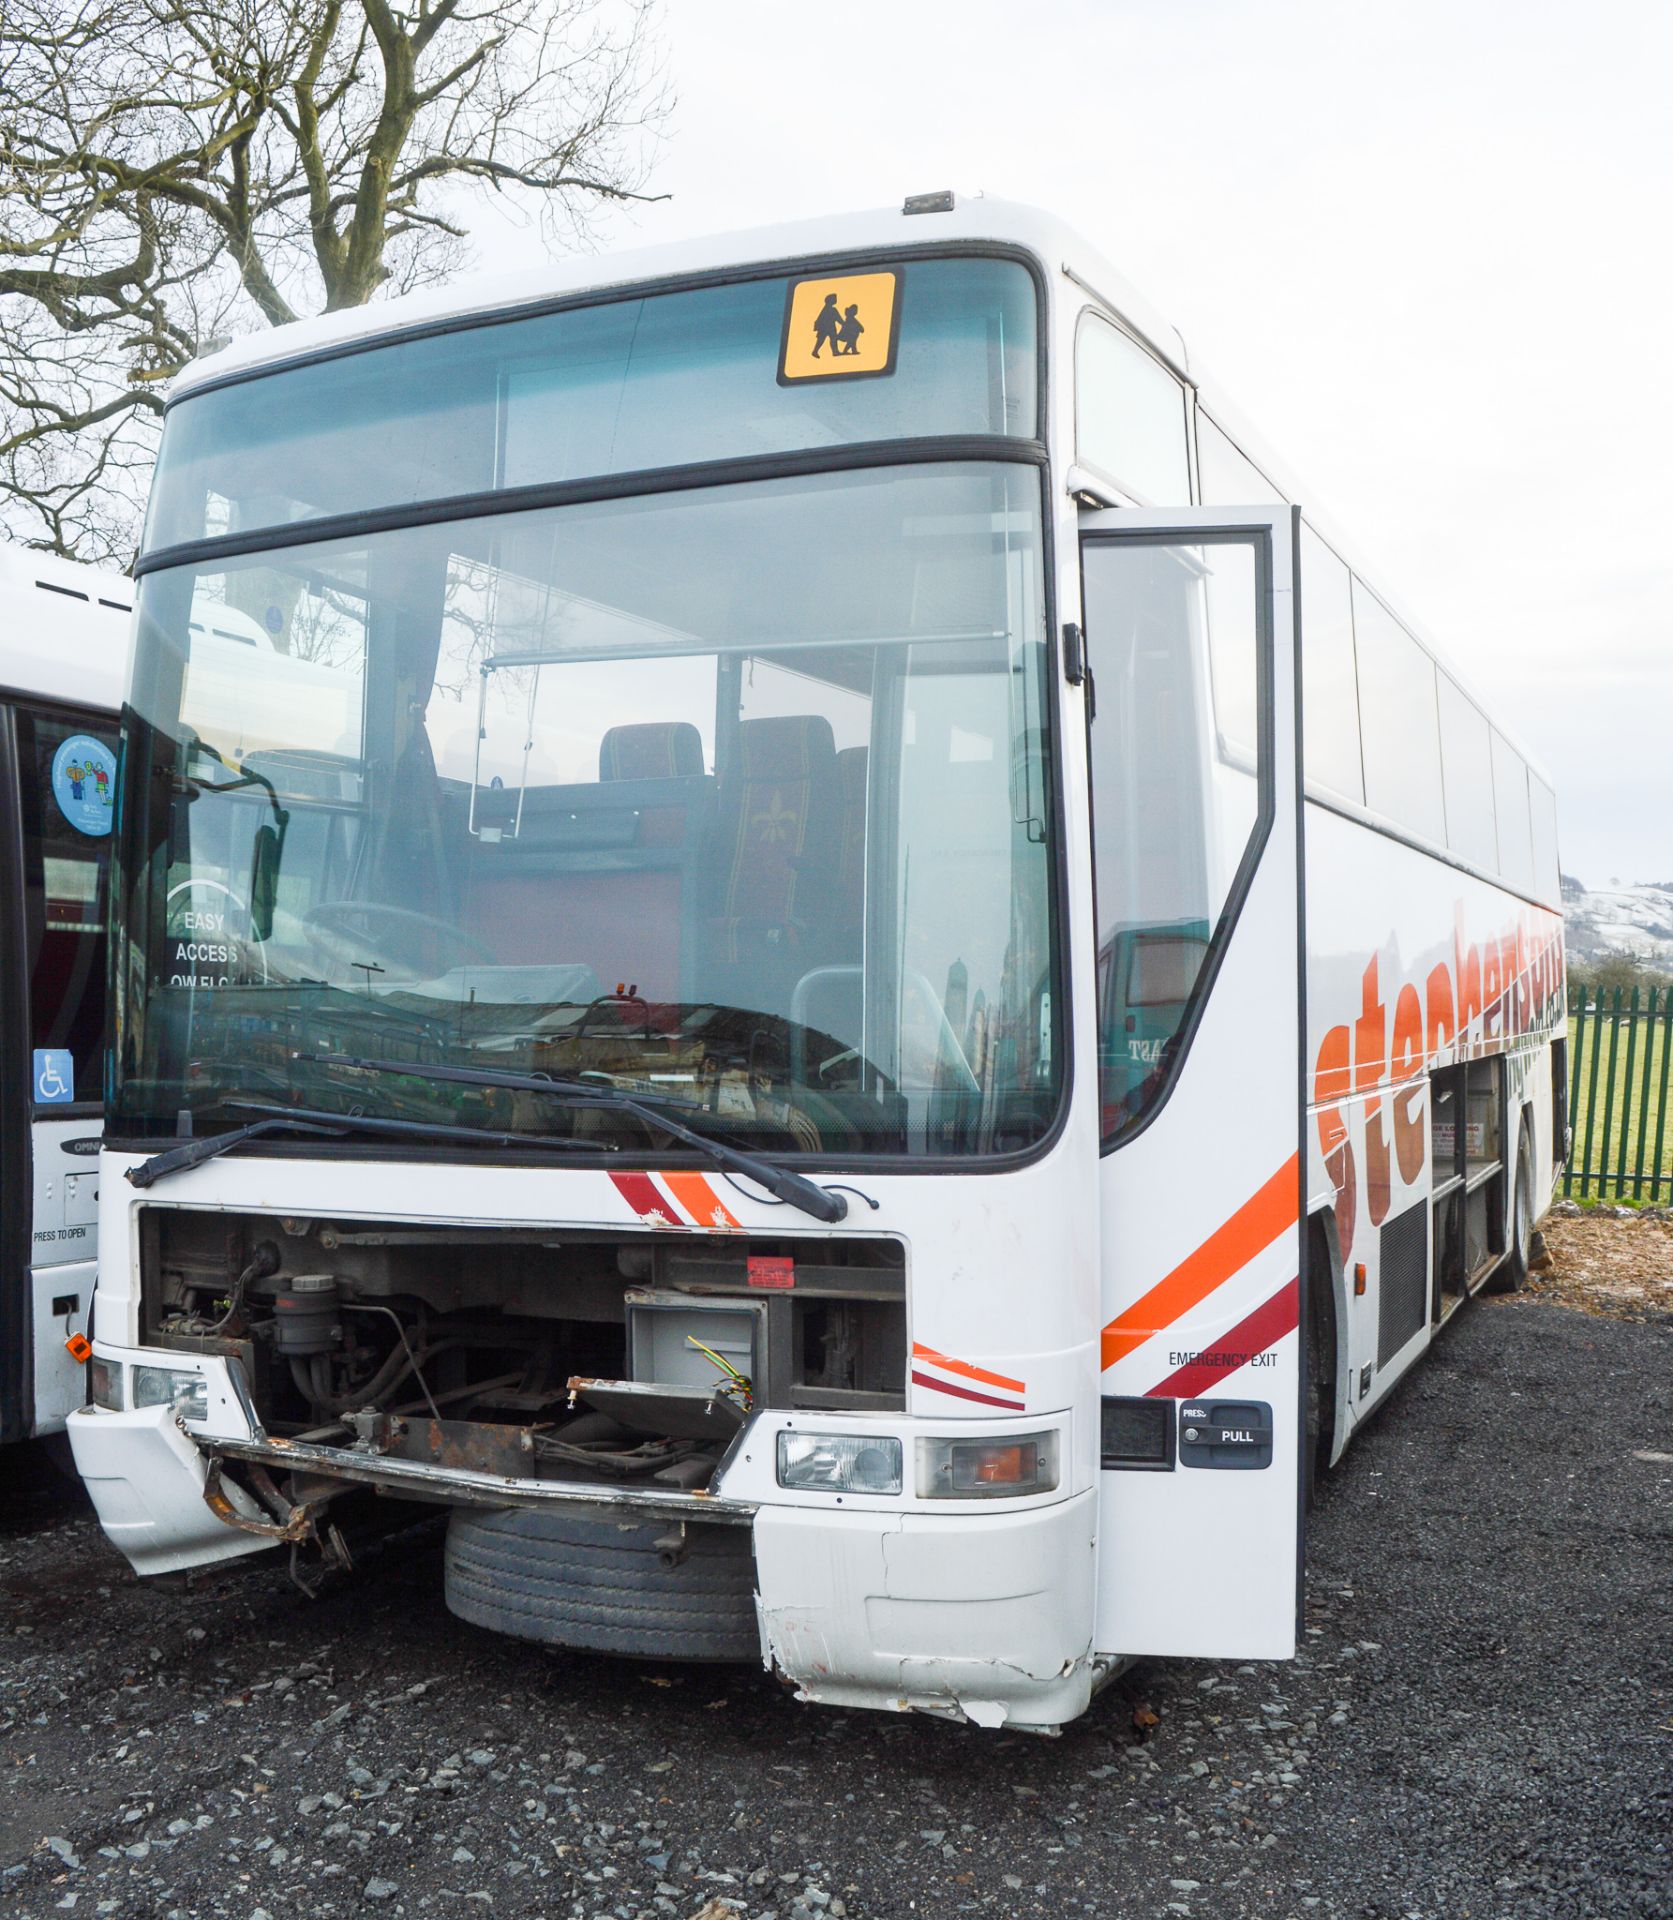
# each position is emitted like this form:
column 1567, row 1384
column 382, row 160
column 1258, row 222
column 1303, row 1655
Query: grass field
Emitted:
column 1640, row 1105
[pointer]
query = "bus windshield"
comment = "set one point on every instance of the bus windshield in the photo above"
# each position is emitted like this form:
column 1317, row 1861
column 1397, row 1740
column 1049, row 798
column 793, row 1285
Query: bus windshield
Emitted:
column 738, row 797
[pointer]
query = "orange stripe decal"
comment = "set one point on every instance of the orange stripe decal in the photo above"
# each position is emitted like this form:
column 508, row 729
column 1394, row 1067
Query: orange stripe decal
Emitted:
column 1254, row 1226
column 964, row 1367
column 700, row 1200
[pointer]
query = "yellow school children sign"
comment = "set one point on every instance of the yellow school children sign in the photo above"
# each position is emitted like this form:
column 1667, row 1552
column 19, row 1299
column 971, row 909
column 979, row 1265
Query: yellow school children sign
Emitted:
column 840, row 326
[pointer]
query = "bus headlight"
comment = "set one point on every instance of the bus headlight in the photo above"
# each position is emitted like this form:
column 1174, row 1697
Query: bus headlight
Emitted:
column 187, row 1393
column 104, row 1382
column 999, row 1468
column 839, row 1462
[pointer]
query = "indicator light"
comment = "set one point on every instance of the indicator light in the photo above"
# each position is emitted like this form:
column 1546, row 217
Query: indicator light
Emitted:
column 1002, row 1466
column 104, row 1385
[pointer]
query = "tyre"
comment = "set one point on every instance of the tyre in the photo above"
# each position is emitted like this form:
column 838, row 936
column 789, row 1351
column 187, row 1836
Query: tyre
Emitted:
column 1511, row 1274
column 604, row 1586
column 1319, row 1359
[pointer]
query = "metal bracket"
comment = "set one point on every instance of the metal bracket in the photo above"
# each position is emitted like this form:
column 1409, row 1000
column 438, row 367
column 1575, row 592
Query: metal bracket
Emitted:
column 297, row 1525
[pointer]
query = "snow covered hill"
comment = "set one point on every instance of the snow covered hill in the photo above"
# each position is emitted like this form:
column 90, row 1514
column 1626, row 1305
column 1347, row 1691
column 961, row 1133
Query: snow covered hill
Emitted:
column 1604, row 922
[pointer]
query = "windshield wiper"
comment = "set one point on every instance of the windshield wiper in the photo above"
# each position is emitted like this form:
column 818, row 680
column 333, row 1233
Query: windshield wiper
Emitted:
column 793, row 1188
column 193, row 1153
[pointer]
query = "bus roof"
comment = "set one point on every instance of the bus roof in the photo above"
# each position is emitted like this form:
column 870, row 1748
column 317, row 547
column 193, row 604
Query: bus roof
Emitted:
column 971, row 218
column 63, row 629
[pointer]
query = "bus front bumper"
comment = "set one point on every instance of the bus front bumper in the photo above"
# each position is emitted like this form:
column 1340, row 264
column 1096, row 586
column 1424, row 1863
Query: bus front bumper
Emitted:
column 981, row 1616
column 146, row 1479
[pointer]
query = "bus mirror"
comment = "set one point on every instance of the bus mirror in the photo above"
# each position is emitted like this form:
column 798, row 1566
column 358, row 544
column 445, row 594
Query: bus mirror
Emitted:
column 264, row 880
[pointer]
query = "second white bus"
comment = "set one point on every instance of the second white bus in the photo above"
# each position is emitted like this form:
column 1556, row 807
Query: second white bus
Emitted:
column 63, row 666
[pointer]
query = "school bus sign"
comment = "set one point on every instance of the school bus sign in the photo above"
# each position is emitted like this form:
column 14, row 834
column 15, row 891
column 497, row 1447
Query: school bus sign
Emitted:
column 838, row 328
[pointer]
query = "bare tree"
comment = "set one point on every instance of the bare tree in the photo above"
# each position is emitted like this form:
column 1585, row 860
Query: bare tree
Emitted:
column 173, row 172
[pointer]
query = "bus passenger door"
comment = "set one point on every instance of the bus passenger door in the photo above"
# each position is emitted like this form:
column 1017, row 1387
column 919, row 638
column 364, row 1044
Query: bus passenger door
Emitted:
column 1191, row 654
column 60, row 765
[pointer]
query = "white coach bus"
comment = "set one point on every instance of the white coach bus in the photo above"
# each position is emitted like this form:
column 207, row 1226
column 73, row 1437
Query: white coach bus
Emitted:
column 837, row 976
column 63, row 662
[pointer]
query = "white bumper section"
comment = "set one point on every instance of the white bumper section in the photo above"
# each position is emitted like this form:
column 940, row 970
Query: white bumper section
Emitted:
column 984, row 1616
column 145, row 1479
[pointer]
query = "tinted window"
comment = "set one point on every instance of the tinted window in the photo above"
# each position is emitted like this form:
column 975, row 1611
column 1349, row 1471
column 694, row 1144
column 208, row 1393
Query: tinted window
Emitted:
column 1330, row 698
column 69, row 789
column 1510, row 797
column 664, row 380
column 1467, row 762
column 1226, row 478
column 1547, row 880
column 1129, row 415
column 1172, row 815
column 1398, row 720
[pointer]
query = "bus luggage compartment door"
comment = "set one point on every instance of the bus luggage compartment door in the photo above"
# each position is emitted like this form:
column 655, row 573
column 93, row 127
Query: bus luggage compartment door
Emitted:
column 1193, row 741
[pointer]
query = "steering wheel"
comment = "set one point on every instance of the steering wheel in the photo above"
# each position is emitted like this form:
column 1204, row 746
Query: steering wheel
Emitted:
column 402, row 944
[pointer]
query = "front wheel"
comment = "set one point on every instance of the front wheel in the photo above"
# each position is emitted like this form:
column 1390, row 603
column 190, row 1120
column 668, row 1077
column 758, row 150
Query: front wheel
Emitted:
column 603, row 1585
column 1318, row 1356
column 1511, row 1274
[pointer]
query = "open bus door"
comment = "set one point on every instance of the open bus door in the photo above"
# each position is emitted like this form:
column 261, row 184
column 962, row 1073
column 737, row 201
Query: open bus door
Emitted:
column 57, row 776
column 1191, row 649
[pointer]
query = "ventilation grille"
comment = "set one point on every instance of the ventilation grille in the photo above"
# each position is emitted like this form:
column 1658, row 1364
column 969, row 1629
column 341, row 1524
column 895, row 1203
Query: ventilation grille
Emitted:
column 1402, row 1280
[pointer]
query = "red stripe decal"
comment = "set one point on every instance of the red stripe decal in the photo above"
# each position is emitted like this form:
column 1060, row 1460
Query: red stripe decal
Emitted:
column 1251, row 1230
column 1264, row 1328
column 642, row 1196
column 965, row 1393
column 701, row 1201
column 921, row 1352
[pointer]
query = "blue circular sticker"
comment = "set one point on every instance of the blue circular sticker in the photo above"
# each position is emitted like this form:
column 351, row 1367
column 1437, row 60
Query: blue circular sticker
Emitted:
column 84, row 783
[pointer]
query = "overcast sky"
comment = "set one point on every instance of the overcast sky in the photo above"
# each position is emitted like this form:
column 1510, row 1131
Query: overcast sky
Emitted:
column 1424, row 247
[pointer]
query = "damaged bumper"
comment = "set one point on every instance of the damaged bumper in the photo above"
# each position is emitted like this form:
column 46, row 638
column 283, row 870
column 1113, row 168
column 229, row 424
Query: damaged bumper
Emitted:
column 984, row 1617
column 146, row 1478
column 981, row 1615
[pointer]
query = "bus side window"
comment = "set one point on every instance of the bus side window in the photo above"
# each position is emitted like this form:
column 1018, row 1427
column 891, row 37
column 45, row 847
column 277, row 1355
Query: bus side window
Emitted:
column 1510, row 801
column 1400, row 716
column 1330, row 707
column 1129, row 415
column 1466, row 764
column 1174, row 789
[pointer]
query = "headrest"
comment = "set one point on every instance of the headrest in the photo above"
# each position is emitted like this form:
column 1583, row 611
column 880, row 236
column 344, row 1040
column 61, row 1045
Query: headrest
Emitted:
column 851, row 772
column 651, row 750
column 796, row 747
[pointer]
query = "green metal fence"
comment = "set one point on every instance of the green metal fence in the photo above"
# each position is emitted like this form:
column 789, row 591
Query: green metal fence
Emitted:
column 1620, row 1047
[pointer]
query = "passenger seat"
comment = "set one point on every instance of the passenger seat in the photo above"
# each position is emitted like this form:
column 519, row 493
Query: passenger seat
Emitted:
column 651, row 750
column 776, row 845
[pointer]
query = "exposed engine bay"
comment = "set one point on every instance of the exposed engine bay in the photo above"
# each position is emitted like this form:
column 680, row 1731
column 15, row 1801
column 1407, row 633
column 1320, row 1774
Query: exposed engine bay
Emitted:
column 581, row 1357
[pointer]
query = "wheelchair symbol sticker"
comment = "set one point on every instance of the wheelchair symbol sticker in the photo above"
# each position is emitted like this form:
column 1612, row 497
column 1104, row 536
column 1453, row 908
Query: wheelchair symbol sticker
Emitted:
column 55, row 1076
column 84, row 782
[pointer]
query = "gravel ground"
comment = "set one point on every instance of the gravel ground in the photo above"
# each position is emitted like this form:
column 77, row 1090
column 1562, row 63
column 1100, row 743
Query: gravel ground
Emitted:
column 1481, row 1722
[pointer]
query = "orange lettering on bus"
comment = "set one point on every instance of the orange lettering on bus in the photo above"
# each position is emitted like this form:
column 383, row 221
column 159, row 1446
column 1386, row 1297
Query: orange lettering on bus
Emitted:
column 1467, row 974
column 1443, row 1015
column 1369, row 1058
column 1406, row 1062
column 1331, row 1083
